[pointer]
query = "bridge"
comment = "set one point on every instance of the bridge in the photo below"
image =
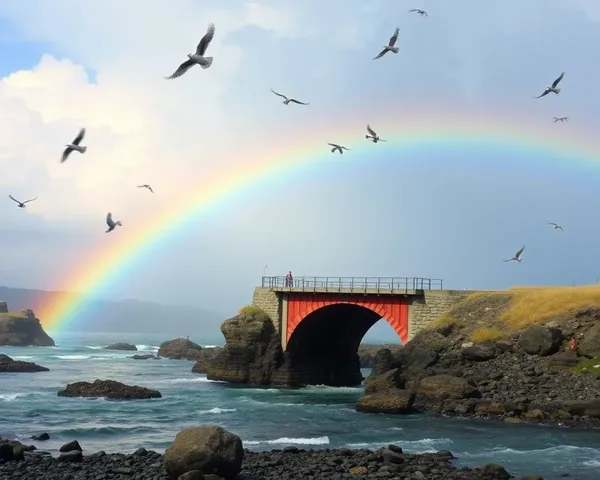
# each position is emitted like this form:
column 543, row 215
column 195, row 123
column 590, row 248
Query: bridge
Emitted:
column 322, row 320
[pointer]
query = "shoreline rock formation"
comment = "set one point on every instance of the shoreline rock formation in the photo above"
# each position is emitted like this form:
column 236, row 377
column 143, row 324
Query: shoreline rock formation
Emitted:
column 121, row 346
column 109, row 389
column 8, row 365
column 22, row 329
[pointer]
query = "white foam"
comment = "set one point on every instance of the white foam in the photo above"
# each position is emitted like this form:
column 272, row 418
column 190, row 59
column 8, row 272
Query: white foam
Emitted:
column 419, row 446
column 218, row 410
column 73, row 357
column 291, row 441
column 9, row 397
column 22, row 357
column 93, row 347
column 211, row 346
column 201, row 379
column 592, row 463
column 147, row 347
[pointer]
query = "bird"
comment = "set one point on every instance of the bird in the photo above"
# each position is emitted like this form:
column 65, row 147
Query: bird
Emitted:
column 372, row 135
column 74, row 146
column 288, row 100
column 198, row 57
column 552, row 88
column 419, row 11
column 390, row 45
column 561, row 119
column 111, row 224
column 517, row 256
column 337, row 147
column 146, row 186
column 555, row 226
column 21, row 204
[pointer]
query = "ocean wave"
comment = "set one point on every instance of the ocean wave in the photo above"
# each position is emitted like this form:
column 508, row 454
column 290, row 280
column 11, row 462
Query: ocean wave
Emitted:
column 147, row 347
column 292, row 441
column 328, row 388
column 592, row 463
column 211, row 346
column 94, row 347
column 420, row 446
column 9, row 397
column 22, row 357
column 548, row 451
column 201, row 379
column 73, row 357
column 218, row 410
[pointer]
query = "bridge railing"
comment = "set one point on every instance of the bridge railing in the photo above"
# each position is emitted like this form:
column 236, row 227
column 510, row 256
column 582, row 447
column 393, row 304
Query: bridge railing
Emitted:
column 354, row 284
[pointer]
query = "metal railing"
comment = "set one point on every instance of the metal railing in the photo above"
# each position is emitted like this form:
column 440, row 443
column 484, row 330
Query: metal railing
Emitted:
column 354, row 284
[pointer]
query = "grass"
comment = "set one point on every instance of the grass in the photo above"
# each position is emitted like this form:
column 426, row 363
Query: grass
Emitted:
column 445, row 319
column 250, row 310
column 588, row 365
column 482, row 335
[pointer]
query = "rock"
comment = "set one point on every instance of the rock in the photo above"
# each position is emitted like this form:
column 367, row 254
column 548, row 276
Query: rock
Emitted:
column 563, row 360
column 8, row 365
column 120, row 346
column 192, row 475
column 209, row 449
column 368, row 354
column 391, row 401
column 386, row 381
column 71, row 456
column 205, row 356
column 590, row 408
column 589, row 344
column 41, row 438
column 22, row 329
column 70, row 446
column 109, row 389
column 495, row 471
column 145, row 356
column 179, row 348
column 480, row 353
column 3, row 307
column 540, row 340
column 447, row 386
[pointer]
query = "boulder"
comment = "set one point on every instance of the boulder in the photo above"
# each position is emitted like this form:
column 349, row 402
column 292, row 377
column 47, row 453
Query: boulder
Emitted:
column 563, row 360
column 205, row 356
column 446, row 387
column 208, row 449
column 109, row 389
column 8, row 365
column 368, row 354
column 540, row 340
column 386, row 381
column 145, row 356
column 22, row 329
column 41, row 437
column 71, row 446
column 3, row 307
column 480, row 353
column 120, row 346
column 179, row 349
column 589, row 343
column 391, row 401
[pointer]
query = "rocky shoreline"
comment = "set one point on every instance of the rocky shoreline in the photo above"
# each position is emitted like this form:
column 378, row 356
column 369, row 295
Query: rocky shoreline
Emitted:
column 289, row 463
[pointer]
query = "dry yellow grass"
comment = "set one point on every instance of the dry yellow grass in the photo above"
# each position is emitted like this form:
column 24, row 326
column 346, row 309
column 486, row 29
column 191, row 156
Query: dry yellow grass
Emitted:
column 250, row 310
column 487, row 335
column 531, row 305
column 445, row 319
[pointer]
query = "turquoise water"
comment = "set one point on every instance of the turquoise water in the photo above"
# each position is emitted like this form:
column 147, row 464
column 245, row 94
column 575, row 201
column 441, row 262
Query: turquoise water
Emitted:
column 265, row 418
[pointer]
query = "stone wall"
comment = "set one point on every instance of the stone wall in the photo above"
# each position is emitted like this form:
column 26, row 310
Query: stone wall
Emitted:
column 426, row 309
column 271, row 304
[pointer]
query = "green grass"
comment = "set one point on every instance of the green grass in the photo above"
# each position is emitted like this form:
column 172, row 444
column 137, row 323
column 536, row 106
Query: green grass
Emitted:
column 588, row 365
column 250, row 310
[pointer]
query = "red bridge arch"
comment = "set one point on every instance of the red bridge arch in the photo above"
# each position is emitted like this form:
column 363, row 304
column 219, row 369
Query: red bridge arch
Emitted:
column 394, row 308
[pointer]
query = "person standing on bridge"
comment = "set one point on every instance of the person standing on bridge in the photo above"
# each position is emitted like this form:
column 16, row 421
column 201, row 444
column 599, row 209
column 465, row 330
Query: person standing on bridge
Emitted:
column 289, row 279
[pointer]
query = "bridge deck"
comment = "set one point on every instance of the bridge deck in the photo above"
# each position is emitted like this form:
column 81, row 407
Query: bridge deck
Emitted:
column 356, row 285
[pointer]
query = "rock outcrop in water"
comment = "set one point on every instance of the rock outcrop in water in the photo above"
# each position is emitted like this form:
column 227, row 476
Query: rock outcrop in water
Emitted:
column 519, row 375
column 121, row 346
column 22, row 329
column 8, row 365
column 179, row 349
column 109, row 389
column 367, row 353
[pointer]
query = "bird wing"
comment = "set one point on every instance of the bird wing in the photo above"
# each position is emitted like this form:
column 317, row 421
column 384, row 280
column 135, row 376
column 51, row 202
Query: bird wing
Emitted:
column 65, row 154
column 13, row 199
column 279, row 94
column 520, row 252
column 30, row 200
column 141, row 186
column 371, row 131
column 425, row 13
column 394, row 37
column 79, row 137
column 552, row 223
column 184, row 67
column 150, row 188
column 381, row 54
column 344, row 148
column 109, row 220
column 556, row 82
column 293, row 100
column 334, row 145
column 413, row 10
column 206, row 39
column 544, row 94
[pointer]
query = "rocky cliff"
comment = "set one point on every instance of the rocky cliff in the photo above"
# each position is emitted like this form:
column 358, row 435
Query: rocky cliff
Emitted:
column 22, row 329
column 506, row 356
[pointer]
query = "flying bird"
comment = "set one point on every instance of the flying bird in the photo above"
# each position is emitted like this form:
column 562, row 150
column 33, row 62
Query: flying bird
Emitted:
column 337, row 147
column 390, row 46
column 555, row 226
column 419, row 11
column 74, row 146
column 552, row 88
column 146, row 186
column 288, row 100
column 561, row 119
column 372, row 135
column 21, row 204
column 198, row 57
column 111, row 224
column 517, row 256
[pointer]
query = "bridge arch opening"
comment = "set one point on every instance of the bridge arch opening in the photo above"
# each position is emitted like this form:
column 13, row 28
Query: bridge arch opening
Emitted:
column 323, row 348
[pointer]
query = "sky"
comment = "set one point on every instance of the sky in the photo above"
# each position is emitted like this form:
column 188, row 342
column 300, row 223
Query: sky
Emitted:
column 437, row 211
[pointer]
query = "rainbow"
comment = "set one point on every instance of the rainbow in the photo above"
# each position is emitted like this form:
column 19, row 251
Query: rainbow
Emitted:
column 430, row 130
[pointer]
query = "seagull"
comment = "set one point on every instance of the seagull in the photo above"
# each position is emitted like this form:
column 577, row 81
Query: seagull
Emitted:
column 561, row 119
column 146, row 186
column 517, row 256
column 372, row 135
column 288, row 100
column 111, row 224
column 74, row 146
column 337, row 147
column 21, row 204
column 198, row 57
column 553, row 88
column 419, row 11
column 555, row 226
column 390, row 45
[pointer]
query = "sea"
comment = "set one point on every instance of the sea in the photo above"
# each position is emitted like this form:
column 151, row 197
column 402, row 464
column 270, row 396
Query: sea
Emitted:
column 265, row 418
